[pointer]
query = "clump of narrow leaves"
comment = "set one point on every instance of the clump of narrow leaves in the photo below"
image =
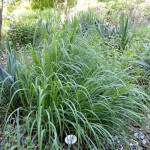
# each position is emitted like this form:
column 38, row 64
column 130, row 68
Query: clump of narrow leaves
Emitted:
column 66, row 86
column 145, row 64
column 116, row 36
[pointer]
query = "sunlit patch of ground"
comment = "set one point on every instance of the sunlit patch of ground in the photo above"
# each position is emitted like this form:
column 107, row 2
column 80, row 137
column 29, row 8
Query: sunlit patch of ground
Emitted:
column 83, row 6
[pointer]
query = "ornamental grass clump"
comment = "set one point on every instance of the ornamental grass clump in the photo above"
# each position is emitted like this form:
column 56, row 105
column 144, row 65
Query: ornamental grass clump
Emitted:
column 71, row 88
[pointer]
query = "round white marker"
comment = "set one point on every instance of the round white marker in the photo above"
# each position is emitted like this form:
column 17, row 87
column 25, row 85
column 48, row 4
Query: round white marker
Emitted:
column 70, row 139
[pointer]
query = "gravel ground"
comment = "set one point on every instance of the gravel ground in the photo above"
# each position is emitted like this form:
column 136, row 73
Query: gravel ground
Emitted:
column 140, row 140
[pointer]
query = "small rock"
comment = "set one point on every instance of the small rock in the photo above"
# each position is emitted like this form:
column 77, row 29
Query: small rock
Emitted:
column 141, row 135
column 1, row 139
column 119, row 147
column 115, row 138
column 147, row 129
column 144, row 142
column 133, row 144
column 136, row 135
column 140, row 148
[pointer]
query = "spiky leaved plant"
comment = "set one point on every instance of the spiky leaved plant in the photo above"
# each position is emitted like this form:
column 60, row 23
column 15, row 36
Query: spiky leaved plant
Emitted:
column 72, row 88
column 123, row 34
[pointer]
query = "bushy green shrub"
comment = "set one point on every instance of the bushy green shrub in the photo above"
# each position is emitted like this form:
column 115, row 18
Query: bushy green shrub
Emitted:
column 41, row 4
column 22, row 29
column 72, row 3
column 21, row 34
column 10, row 7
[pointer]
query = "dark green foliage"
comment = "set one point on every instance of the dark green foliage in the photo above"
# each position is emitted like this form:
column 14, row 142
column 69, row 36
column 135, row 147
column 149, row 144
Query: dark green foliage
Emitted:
column 146, row 64
column 7, row 75
column 72, row 3
column 113, row 35
column 41, row 4
column 123, row 33
column 21, row 33
column 9, row 85
column 12, row 5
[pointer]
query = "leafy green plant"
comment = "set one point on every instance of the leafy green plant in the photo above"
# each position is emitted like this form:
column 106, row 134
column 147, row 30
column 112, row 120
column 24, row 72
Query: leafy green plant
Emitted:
column 9, row 73
column 21, row 34
column 10, row 93
column 40, row 4
column 90, row 21
column 7, row 79
column 145, row 64
column 123, row 34
column 71, row 3
column 23, row 30
column 113, row 35
column 12, row 5
column 69, row 86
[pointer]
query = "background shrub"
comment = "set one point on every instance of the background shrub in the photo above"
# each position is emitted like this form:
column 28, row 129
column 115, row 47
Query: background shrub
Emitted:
column 72, row 3
column 40, row 4
column 22, row 28
column 12, row 5
column 21, row 34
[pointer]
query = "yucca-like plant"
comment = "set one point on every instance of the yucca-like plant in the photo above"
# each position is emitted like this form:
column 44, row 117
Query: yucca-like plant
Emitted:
column 8, row 73
column 10, row 94
column 124, row 32
column 7, row 79
column 70, row 88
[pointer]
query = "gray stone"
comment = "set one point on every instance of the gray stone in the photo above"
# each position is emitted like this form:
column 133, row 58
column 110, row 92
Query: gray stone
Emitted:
column 144, row 142
column 147, row 129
